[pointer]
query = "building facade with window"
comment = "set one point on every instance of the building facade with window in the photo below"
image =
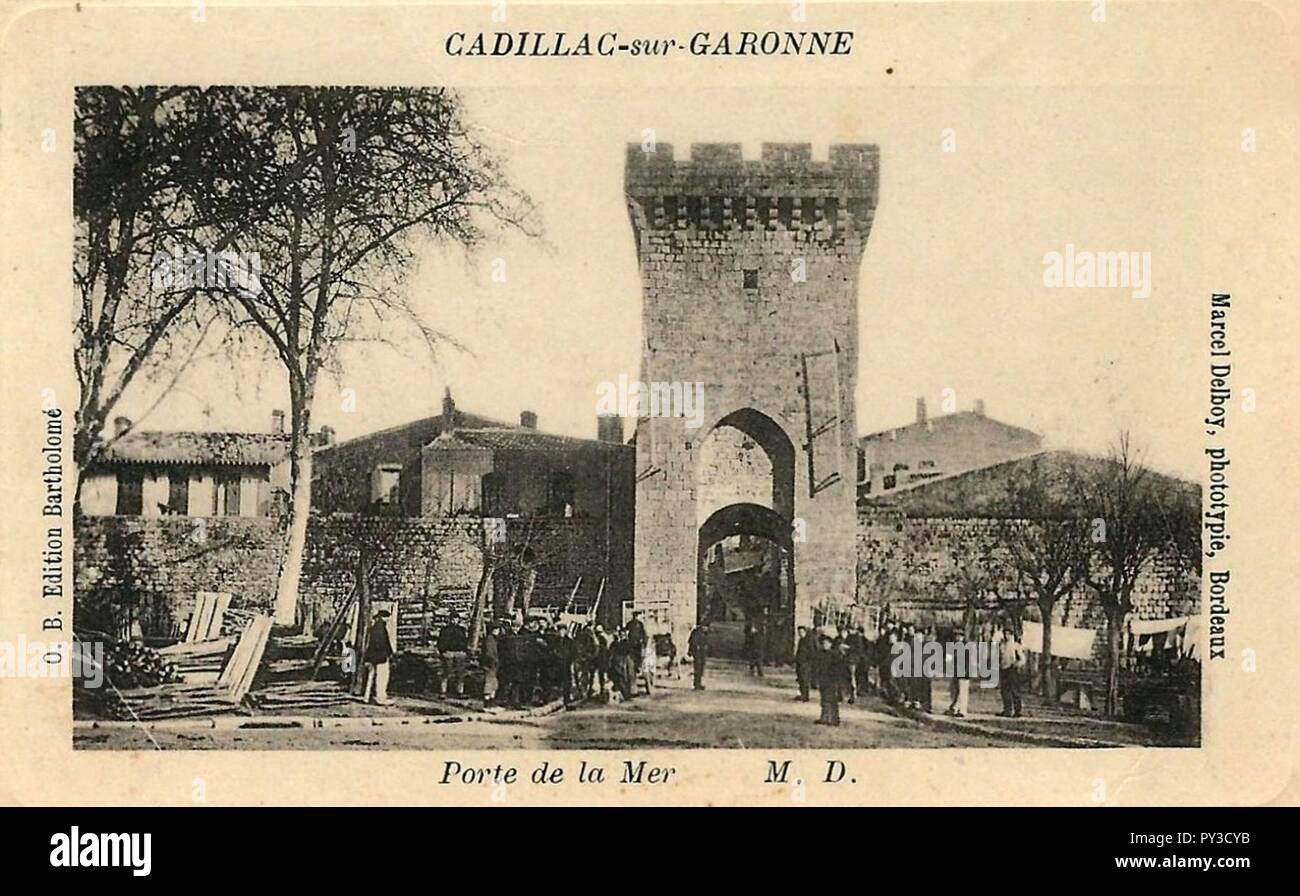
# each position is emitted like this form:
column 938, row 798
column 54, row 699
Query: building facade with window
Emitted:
column 461, row 463
column 198, row 474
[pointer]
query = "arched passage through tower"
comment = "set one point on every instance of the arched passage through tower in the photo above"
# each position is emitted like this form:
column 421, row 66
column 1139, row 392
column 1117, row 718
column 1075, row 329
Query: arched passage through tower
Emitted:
column 745, row 555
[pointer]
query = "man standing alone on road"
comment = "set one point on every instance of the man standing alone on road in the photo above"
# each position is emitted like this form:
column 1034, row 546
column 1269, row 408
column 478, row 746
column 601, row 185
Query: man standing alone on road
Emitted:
column 959, row 690
column 379, row 650
column 698, row 648
column 1010, row 658
column 453, row 647
column 832, row 669
column 805, row 652
column 636, row 635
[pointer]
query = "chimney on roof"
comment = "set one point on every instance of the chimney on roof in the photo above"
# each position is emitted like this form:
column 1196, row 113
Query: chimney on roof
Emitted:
column 920, row 410
column 277, row 422
column 326, row 437
column 528, row 419
column 979, row 407
column 609, row 428
column 448, row 413
column 121, row 425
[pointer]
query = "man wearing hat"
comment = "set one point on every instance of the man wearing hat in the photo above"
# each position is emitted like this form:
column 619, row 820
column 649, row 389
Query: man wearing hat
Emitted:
column 805, row 652
column 698, row 648
column 831, row 669
column 453, row 650
column 636, row 635
column 379, row 650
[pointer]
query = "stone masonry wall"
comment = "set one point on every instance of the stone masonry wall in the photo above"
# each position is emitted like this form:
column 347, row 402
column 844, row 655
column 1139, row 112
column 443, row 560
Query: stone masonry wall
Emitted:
column 166, row 561
column 915, row 565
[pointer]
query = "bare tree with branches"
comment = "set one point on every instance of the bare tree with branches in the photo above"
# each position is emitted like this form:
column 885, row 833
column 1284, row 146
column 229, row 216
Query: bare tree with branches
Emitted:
column 331, row 186
column 140, row 155
column 1131, row 520
column 1048, row 548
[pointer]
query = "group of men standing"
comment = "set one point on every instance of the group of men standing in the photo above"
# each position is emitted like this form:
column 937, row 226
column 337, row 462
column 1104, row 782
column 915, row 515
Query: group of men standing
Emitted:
column 529, row 663
column 540, row 661
column 543, row 660
column 844, row 665
column 453, row 659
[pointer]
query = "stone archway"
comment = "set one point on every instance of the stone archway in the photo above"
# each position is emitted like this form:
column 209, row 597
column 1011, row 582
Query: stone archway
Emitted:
column 758, row 592
column 744, row 563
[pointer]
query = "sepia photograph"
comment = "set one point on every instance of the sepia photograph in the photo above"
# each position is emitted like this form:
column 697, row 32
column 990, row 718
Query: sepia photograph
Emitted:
column 714, row 547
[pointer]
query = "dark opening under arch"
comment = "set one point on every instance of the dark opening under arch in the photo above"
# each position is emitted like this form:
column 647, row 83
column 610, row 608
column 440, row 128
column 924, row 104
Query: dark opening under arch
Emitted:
column 765, row 595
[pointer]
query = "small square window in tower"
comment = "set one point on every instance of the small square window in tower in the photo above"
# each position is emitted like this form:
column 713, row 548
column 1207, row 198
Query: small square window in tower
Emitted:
column 751, row 278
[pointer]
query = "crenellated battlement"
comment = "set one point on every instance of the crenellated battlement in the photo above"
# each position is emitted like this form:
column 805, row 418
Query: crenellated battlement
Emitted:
column 718, row 189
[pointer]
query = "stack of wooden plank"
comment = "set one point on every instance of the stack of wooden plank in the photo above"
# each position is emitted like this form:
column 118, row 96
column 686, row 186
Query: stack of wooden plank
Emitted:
column 169, row 701
column 237, row 677
column 201, row 698
column 209, row 613
column 199, row 661
column 299, row 696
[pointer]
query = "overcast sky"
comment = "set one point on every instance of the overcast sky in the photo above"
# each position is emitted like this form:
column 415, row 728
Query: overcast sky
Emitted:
column 951, row 288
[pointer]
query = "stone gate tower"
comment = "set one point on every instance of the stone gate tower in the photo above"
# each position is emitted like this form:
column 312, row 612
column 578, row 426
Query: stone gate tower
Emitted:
column 749, row 277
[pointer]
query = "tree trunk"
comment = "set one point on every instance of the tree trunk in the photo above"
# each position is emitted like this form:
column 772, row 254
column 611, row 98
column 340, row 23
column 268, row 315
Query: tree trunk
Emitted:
column 970, row 619
column 1114, row 641
column 286, row 595
column 526, row 596
column 362, row 635
column 480, row 602
column 1046, row 664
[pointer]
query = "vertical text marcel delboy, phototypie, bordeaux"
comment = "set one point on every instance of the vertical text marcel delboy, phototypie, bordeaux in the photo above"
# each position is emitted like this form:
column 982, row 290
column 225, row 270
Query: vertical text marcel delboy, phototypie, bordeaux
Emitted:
column 1216, row 507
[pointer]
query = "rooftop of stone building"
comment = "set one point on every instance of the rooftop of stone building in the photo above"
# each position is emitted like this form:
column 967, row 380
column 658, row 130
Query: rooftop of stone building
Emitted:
column 516, row 439
column 987, row 492
column 948, row 420
column 423, row 429
column 248, row 449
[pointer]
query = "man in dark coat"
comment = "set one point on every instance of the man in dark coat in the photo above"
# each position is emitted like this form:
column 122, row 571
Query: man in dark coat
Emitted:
column 636, row 635
column 585, row 649
column 531, row 653
column 559, row 663
column 698, row 648
column 832, row 670
column 623, row 658
column 453, row 651
column 804, row 653
column 379, row 650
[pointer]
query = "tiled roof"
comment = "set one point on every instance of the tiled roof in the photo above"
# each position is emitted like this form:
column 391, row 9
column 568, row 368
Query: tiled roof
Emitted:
column 417, row 432
column 515, row 439
column 226, row 448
